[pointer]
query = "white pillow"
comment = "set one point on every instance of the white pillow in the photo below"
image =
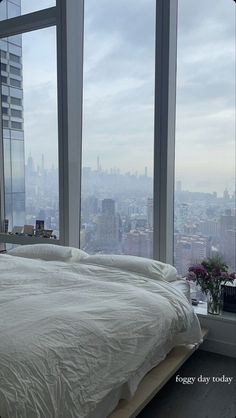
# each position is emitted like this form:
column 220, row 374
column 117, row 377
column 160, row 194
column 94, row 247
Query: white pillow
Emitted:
column 144, row 266
column 184, row 286
column 49, row 252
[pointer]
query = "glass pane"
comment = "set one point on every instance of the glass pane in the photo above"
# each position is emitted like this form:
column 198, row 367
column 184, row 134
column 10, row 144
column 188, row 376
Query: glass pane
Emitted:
column 7, row 165
column 13, row 8
column 31, row 142
column 18, row 208
column 118, row 127
column 205, row 138
column 9, row 210
column 18, row 169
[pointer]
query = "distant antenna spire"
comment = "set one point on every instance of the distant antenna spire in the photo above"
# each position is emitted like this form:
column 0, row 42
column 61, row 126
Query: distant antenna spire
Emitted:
column 98, row 164
column 42, row 163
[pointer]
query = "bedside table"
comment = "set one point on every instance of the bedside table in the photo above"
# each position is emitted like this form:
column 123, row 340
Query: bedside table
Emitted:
column 221, row 338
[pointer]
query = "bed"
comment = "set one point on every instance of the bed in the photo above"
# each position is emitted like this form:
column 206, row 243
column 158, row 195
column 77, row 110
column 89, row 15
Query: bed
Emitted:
column 78, row 333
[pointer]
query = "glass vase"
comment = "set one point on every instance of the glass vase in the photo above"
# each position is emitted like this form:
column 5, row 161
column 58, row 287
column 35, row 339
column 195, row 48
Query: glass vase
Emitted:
column 214, row 302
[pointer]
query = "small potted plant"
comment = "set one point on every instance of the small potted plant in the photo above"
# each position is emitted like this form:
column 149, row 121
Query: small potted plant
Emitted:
column 210, row 274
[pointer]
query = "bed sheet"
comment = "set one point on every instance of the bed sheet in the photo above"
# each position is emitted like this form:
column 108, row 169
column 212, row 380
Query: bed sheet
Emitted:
column 77, row 337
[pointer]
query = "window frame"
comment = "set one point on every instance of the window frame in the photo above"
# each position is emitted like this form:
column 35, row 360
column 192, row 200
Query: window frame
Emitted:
column 14, row 26
column 164, row 129
column 68, row 17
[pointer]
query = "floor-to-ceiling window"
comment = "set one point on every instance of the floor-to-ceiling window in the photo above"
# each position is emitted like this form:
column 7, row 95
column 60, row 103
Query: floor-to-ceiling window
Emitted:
column 118, row 127
column 205, row 217
column 29, row 118
column 122, row 147
column 29, row 132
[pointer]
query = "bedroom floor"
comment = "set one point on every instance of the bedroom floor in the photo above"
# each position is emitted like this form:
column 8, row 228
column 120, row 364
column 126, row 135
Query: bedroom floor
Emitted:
column 197, row 400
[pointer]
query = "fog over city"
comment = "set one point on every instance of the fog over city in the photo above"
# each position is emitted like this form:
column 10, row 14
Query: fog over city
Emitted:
column 117, row 215
column 119, row 90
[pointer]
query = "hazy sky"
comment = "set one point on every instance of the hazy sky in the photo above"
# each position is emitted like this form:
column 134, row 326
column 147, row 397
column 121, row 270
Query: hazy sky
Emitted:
column 40, row 95
column 119, row 89
column 205, row 134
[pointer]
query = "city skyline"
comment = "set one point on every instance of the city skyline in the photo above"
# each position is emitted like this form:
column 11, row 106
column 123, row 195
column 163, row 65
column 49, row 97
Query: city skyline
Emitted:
column 230, row 186
column 117, row 215
column 119, row 90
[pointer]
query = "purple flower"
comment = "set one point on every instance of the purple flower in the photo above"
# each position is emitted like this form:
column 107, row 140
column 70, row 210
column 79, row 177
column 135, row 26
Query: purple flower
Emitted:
column 216, row 272
column 191, row 276
column 198, row 270
column 210, row 274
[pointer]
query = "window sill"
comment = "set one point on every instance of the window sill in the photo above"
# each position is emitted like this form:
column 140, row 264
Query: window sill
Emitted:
column 24, row 240
column 201, row 311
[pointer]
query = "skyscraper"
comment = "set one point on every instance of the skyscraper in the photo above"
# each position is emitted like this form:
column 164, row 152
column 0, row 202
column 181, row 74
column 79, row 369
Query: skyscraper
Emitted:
column 108, row 227
column 150, row 212
column 228, row 236
column 139, row 243
column 12, row 132
column 190, row 249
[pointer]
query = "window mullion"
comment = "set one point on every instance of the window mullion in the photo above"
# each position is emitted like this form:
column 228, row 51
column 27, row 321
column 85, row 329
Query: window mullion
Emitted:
column 29, row 22
column 164, row 128
column 2, row 198
column 70, row 99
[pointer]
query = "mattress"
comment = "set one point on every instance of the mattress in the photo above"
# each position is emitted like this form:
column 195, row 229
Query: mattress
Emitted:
column 75, row 337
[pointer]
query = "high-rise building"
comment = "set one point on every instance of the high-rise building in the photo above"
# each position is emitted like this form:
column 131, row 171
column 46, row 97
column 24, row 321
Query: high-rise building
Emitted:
column 108, row 236
column 209, row 228
column 190, row 249
column 228, row 250
column 183, row 255
column 228, row 237
column 139, row 243
column 89, row 208
column 150, row 213
column 12, row 119
column 226, row 195
column 182, row 213
column 227, row 221
column 108, row 207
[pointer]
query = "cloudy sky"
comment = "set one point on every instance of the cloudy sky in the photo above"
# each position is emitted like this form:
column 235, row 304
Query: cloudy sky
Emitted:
column 28, row 6
column 205, row 134
column 119, row 90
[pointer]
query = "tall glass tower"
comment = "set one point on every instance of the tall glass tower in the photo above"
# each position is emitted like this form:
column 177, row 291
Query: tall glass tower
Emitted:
column 12, row 118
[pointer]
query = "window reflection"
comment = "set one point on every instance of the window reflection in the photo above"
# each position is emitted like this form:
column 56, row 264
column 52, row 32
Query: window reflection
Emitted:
column 7, row 164
column 14, row 8
column 18, row 205
column 29, row 121
column 17, row 161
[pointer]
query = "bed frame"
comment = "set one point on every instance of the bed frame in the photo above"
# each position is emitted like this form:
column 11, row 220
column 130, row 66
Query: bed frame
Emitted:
column 155, row 380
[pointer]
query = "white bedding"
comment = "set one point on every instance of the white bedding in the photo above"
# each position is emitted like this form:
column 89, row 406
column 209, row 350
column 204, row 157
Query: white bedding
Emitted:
column 75, row 337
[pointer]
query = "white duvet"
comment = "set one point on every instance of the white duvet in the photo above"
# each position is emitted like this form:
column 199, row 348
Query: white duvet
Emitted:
column 76, row 337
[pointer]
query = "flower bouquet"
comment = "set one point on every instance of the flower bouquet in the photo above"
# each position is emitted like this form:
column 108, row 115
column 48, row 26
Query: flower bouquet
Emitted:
column 210, row 274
